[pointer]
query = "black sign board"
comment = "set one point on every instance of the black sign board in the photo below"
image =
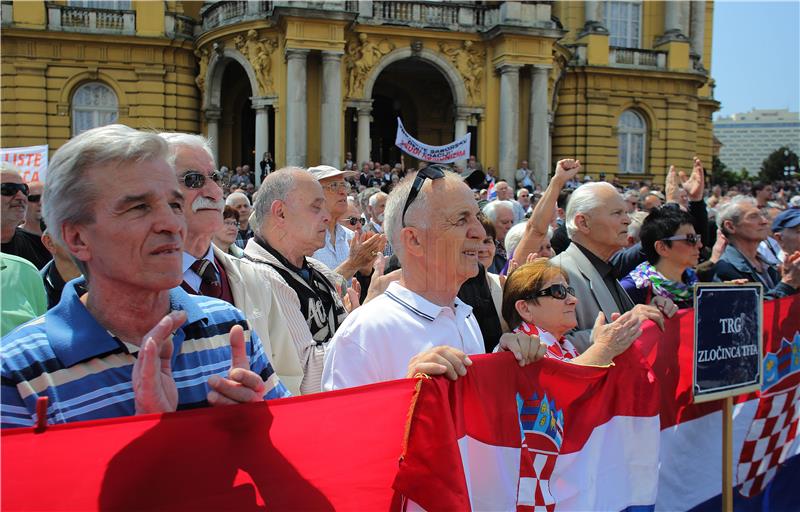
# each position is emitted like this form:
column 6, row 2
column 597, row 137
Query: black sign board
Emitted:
column 727, row 340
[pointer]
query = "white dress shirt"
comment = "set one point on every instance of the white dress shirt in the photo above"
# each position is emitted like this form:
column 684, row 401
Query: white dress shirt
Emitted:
column 189, row 275
column 333, row 256
column 377, row 340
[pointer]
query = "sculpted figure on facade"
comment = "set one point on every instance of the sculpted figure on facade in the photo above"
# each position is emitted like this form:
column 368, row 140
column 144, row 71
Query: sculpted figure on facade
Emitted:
column 361, row 57
column 259, row 53
column 202, row 59
column 469, row 62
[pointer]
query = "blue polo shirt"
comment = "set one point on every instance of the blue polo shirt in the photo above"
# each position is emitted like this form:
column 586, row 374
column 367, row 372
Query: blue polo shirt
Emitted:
column 86, row 372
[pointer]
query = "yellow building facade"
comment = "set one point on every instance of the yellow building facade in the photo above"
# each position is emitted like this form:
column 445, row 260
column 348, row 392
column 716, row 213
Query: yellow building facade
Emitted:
column 623, row 86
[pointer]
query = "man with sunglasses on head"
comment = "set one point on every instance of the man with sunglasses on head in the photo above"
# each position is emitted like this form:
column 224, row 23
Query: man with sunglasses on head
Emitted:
column 16, row 240
column 132, row 341
column 419, row 325
column 209, row 271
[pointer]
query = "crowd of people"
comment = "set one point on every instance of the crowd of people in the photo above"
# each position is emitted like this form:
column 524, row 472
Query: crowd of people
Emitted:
column 144, row 277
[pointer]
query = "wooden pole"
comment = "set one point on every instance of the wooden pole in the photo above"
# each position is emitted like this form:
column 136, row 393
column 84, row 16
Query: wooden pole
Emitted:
column 727, row 454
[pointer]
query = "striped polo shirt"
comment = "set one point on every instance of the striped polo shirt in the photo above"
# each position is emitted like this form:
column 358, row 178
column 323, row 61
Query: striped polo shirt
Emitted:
column 86, row 373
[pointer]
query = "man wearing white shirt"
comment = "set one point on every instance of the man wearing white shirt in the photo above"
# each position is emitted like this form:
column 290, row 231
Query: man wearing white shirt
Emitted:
column 419, row 325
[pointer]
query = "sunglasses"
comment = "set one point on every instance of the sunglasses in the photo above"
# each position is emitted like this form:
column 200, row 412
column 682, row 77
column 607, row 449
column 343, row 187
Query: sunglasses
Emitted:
column 355, row 220
column 557, row 291
column 11, row 189
column 690, row 239
column 196, row 179
column 433, row 172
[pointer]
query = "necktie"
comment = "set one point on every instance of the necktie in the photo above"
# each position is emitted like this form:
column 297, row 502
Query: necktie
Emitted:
column 210, row 285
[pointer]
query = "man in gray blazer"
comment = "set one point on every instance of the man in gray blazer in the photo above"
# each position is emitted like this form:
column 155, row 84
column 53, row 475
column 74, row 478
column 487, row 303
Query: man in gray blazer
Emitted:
column 597, row 223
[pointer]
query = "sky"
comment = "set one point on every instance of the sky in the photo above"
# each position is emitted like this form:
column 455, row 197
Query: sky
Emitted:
column 756, row 55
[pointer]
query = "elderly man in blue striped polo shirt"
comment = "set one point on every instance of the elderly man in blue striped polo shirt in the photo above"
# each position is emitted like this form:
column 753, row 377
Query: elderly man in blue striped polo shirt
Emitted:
column 126, row 339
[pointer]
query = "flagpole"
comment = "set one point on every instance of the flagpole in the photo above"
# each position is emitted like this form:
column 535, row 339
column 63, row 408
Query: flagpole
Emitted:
column 727, row 454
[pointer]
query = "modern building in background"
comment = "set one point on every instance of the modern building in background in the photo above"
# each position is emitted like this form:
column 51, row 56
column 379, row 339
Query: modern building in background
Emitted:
column 747, row 139
column 624, row 86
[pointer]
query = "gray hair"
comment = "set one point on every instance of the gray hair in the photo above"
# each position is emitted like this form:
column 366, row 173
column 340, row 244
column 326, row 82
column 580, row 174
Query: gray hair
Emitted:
column 416, row 215
column 68, row 195
column 631, row 194
column 9, row 168
column 236, row 195
column 191, row 140
column 364, row 195
column 275, row 187
column 585, row 199
column 490, row 210
column 732, row 210
column 637, row 218
column 513, row 237
column 373, row 199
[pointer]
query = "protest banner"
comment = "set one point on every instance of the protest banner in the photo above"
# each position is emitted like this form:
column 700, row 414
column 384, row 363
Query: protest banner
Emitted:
column 456, row 150
column 638, row 441
column 31, row 161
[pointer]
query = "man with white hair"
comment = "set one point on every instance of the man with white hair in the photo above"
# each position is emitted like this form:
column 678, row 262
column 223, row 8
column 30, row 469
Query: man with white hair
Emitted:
column 209, row 271
column 291, row 218
column 501, row 214
column 241, row 203
column 419, row 325
column 597, row 223
column 134, row 342
column 377, row 207
column 745, row 226
column 16, row 240
column 506, row 193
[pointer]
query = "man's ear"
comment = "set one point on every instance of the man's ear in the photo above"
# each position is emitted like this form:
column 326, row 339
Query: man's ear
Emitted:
column 412, row 240
column 278, row 209
column 76, row 241
column 582, row 223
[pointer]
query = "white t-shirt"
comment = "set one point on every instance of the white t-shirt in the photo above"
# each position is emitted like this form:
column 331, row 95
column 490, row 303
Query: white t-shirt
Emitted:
column 377, row 340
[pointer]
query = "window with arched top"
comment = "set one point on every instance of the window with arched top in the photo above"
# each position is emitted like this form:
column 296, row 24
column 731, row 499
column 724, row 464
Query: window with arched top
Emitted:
column 632, row 134
column 93, row 104
column 623, row 19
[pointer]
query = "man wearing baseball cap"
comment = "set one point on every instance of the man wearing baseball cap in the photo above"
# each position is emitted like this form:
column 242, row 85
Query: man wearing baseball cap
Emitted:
column 350, row 253
column 786, row 231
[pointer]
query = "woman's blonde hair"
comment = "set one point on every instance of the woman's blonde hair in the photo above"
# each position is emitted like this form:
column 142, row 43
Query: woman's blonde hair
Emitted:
column 523, row 283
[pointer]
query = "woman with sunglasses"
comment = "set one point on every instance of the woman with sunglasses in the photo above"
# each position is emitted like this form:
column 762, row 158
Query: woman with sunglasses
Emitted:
column 538, row 300
column 672, row 249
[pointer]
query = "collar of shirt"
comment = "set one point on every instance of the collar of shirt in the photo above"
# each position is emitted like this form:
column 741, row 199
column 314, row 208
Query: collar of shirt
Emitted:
column 377, row 227
column 423, row 307
column 189, row 275
column 341, row 235
column 603, row 268
column 69, row 325
column 278, row 256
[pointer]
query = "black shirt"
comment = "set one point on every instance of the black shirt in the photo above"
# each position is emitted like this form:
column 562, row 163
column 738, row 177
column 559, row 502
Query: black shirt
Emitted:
column 29, row 246
column 606, row 271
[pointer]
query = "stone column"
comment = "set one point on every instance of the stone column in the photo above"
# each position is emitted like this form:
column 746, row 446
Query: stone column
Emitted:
column 261, row 106
column 509, row 122
column 698, row 16
column 364, row 108
column 213, row 116
column 593, row 18
column 539, row 132
column 676, row 17
column 296, row 107
column 461, row 129
column 331, row 112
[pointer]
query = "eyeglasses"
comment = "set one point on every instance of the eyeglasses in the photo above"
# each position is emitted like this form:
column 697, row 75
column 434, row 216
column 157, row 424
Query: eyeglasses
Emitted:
column 557, row 291
column 690, row 239
column 34, row 198
column 434, row 172
column 196, row 179
column 335, row 186
column 231, row 223
column 355, row 220
column 11, row 189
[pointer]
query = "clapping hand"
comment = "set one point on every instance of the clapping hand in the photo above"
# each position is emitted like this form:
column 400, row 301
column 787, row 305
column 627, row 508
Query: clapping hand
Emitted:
column 241, row 385
column 154, row 389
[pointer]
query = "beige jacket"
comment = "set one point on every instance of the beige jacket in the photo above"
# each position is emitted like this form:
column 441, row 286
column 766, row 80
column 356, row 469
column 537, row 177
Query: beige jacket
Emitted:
column 254, row 295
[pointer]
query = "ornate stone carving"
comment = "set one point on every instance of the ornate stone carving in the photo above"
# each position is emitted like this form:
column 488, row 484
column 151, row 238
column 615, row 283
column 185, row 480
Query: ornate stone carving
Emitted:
column 360, row 58
column 469, row 62
column 202, row 59
column 259, row 53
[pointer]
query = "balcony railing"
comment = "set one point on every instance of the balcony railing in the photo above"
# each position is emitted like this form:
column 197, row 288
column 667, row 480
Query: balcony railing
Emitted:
column 177, row 25
column 88, row 19
column 637, row 58
column 220, row 14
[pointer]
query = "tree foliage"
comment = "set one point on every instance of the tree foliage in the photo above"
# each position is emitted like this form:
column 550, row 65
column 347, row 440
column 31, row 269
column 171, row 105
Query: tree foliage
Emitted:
column 721, row 175
column 779, row 165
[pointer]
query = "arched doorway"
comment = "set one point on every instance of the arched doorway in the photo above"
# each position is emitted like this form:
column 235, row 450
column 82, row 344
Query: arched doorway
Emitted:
column 420, row 95
column 237, row 125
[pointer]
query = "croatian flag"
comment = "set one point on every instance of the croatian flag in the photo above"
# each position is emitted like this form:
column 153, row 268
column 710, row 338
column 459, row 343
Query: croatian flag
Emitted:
column 491, row 193
column 550, row 436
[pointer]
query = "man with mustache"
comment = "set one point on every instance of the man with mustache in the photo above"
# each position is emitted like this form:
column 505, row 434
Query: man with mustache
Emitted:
column 209, row 271
column 134, row 342
column 16, row 240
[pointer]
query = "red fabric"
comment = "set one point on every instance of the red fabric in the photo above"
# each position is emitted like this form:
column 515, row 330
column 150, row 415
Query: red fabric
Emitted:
column 337, row 451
